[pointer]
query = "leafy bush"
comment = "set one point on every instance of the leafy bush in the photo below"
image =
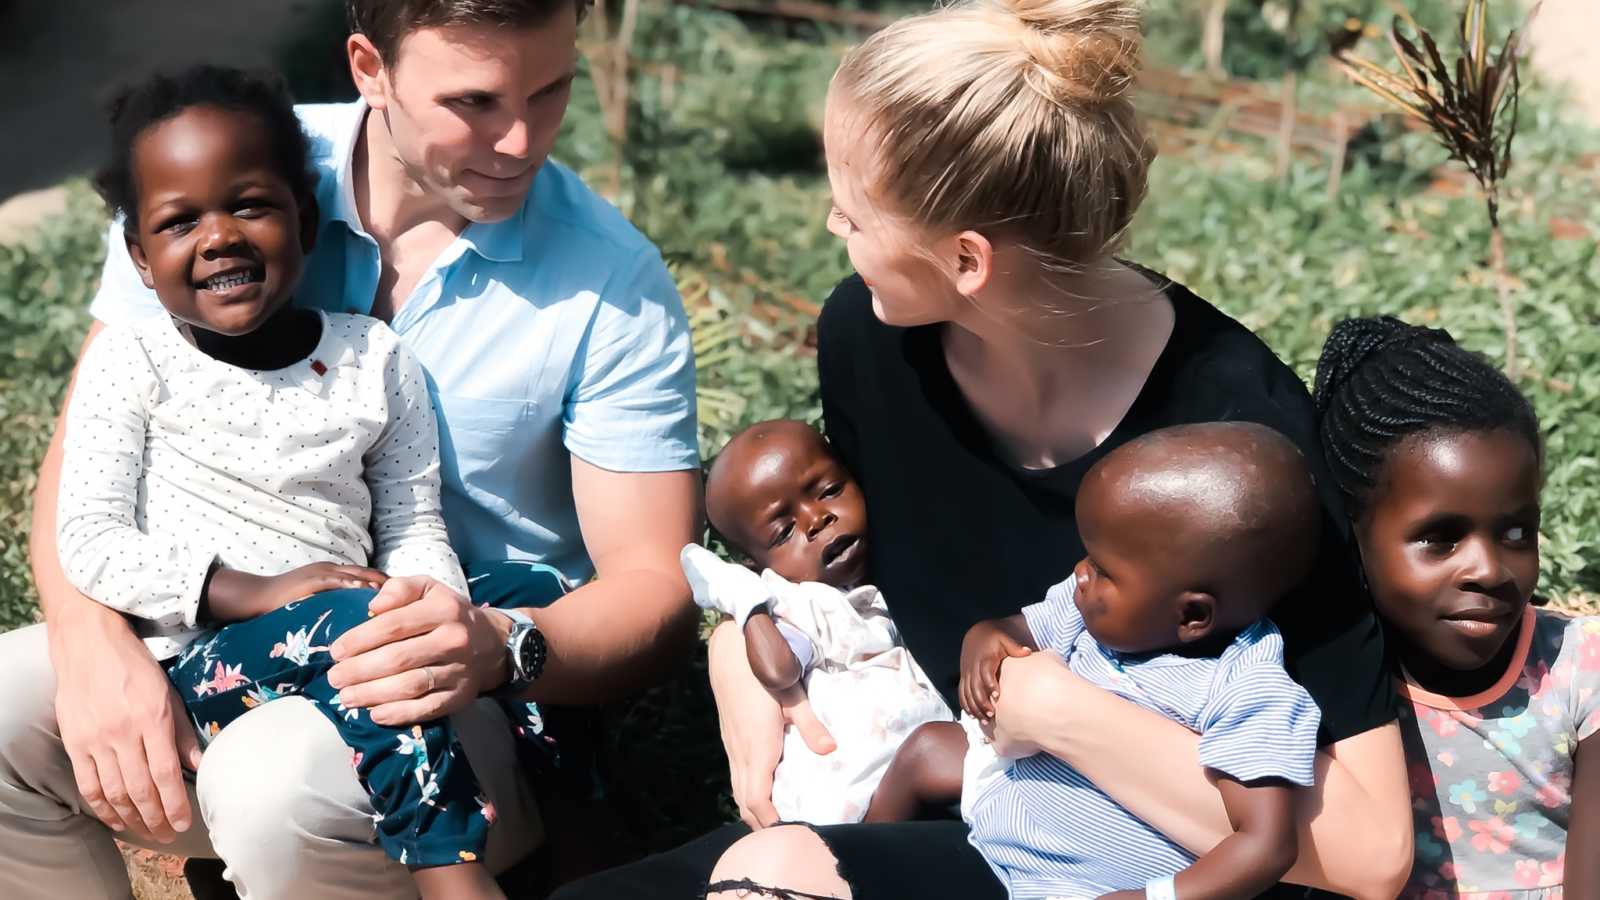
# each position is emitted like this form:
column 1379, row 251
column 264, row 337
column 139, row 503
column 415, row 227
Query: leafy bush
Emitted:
column 45, row 284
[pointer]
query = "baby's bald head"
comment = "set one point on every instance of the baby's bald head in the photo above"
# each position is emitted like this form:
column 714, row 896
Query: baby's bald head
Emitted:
column 1223, row 508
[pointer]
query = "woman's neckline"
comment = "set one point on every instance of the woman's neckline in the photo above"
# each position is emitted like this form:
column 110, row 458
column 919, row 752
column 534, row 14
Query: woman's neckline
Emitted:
column 924, row 348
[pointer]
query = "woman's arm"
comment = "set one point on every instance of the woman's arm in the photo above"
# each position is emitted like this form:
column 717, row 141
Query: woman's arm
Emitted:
column 1582, row 878
column 1353, row 825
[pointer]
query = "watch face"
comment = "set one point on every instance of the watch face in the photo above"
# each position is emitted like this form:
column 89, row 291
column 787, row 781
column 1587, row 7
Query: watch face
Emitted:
column 530, row 654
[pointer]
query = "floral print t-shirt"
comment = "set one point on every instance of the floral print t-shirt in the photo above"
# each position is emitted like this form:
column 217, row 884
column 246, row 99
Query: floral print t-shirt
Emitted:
column 1491, row 774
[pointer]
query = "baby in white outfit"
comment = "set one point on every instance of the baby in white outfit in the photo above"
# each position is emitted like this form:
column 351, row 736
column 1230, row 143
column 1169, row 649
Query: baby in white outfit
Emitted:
column 780, row 497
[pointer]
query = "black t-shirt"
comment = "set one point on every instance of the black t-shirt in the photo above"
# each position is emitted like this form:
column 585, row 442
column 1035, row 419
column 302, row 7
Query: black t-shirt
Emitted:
column 960, row 534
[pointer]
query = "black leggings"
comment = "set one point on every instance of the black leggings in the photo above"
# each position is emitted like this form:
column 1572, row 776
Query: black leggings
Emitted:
column 879, row 861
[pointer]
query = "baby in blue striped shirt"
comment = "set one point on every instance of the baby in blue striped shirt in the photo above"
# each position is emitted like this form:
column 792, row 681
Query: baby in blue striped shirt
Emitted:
column 1192, row 534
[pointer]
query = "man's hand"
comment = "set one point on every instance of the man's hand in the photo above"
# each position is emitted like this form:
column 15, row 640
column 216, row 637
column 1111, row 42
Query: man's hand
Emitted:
column 232, row 596
column 425, row 653
column 123, row 726
column 988, row 644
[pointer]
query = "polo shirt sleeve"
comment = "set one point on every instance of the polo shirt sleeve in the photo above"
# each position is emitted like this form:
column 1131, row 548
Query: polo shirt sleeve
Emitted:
column 1258, row 722
column 631, row 406
column 122, row 298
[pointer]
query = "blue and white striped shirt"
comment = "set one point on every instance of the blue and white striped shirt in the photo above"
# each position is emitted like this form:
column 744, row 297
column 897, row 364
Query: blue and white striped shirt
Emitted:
column 1049, row 832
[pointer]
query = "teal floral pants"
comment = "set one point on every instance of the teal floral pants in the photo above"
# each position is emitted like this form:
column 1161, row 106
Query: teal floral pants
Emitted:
column 429, row 808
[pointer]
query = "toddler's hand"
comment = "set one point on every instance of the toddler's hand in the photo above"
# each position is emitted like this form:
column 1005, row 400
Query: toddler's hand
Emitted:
column 232, row 595
column 987, row 644
column 298, row 584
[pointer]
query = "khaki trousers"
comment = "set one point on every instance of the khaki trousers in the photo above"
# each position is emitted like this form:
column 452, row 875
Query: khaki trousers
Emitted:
column 276, row 800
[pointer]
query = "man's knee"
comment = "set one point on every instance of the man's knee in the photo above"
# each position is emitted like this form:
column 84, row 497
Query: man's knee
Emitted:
column 29, row 736
column 772, row 861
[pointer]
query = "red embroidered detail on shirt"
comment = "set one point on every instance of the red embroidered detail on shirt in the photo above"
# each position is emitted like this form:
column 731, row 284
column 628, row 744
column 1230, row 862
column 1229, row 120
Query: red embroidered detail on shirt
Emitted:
column 318, row 367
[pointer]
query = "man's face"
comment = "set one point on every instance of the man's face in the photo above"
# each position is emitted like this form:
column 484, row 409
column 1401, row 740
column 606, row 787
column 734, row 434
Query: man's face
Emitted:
column 473, row 110
column 785, row 500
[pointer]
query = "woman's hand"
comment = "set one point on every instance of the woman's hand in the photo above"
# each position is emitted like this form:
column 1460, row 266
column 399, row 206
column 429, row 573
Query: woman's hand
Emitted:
column 1034, row 690
column 426, row 652
column 752, row 722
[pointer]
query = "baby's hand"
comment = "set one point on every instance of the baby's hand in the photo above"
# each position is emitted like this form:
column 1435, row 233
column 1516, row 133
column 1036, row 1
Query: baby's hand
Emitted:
column 987, row 644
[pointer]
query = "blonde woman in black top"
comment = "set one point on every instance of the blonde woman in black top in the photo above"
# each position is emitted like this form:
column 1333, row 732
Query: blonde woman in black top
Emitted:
column 985, row 164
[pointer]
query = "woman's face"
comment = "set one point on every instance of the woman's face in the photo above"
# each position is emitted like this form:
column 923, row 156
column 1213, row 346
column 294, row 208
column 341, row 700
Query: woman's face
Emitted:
column 891, row 254
column 1450, row 544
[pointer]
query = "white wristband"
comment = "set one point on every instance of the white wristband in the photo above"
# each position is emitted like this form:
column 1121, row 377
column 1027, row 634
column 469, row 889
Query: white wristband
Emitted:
column 1160, row 889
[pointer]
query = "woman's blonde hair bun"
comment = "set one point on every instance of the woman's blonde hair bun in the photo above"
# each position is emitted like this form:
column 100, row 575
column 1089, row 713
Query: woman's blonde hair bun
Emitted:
column 1084, row 52
column 1009, row 115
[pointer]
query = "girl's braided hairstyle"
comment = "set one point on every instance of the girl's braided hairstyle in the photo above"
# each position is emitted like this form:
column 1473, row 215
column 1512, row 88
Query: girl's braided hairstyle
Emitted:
column 1380, row 381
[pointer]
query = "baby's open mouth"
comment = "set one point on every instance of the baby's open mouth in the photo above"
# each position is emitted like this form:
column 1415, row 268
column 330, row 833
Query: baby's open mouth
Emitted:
column 838, row 547
column 233, row 278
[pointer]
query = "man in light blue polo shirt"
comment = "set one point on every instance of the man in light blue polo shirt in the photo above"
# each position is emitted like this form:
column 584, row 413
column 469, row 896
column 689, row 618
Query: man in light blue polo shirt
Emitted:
column 560, row 362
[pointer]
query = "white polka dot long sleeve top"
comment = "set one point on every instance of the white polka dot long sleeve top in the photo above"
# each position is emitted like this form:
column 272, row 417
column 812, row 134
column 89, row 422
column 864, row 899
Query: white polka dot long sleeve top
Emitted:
column 174, row 460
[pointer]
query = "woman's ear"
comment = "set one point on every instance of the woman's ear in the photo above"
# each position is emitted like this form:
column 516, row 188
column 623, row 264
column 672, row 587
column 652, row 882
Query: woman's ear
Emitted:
column 1197, row 616
column 136, row 253
column 974, row 263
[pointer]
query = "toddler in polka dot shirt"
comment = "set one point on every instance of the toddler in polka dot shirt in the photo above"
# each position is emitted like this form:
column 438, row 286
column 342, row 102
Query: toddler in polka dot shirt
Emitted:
column 241, row 474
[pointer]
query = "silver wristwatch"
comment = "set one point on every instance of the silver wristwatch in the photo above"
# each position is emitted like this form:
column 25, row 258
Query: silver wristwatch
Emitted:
column 526, row 652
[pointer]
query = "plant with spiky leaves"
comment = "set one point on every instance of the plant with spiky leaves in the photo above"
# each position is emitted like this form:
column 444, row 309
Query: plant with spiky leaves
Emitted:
column 1471, row 108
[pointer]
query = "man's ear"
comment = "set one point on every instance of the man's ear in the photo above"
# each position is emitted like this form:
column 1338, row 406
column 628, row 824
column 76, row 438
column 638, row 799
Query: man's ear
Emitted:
column 136, row 253
column 367, row 70
column 310, row 215
column 1197, row 615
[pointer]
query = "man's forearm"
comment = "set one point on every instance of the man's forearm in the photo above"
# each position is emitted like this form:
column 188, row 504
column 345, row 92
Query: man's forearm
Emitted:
column 615, row 635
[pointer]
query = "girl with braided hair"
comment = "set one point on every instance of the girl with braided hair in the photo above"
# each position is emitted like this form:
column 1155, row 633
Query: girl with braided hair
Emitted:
column 1437, row 456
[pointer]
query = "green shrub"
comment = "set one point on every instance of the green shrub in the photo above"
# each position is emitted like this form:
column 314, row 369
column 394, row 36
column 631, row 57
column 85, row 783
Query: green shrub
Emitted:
column 45, row 284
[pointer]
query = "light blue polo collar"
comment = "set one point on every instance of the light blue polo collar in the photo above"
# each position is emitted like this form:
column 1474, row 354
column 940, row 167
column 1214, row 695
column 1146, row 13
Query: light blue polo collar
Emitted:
column 501, row 241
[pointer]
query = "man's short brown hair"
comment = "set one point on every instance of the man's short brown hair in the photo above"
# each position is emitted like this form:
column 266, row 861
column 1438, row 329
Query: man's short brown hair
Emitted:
column 386, row 22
